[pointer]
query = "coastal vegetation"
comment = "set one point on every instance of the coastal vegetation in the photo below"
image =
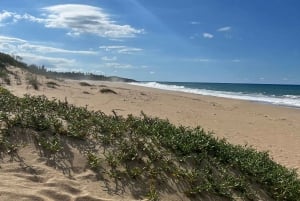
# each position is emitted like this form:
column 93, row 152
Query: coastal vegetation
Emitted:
column 11, row 60
column 147, row 156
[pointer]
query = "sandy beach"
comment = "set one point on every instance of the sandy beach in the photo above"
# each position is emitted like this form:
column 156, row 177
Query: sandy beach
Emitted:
column 265, row 127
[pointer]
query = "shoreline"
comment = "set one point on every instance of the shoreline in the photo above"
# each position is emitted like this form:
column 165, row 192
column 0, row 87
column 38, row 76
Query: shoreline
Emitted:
column 280, row 100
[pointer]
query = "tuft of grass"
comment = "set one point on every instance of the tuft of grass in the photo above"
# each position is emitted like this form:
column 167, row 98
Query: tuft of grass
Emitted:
column 4, row 76
column 33, row 81
column 107, row 90
column 52, row 84
column 93, row 161
column 86, row 92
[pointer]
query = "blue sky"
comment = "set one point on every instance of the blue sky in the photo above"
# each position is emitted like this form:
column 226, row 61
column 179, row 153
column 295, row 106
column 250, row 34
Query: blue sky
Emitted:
column 171, row 40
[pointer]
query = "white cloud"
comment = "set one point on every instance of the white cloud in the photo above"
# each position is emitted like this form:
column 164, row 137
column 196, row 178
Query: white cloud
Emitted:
column 105, row 58
column 129, row 50
column 118, row 65
column 81, row 19
column 121, row 49
column 73, row 34
column 194, row 22
column 111, row 47
column 224, row 29
column 152, row 72
column 236, row 60
column 207, row 35
column 5, row 15
column 198, row 60
column 77, row 19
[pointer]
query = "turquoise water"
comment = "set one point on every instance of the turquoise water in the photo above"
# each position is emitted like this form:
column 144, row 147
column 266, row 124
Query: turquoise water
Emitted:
column 287, row 95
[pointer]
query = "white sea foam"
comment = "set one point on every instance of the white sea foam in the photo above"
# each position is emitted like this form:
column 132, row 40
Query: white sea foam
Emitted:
column 286, row 100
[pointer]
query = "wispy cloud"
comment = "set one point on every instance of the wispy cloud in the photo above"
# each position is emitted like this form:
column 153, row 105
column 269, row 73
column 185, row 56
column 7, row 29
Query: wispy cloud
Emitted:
column 224, row 29
column 20, row 45
column 122, row 49
column 207, row 35
column 45, row 49
column 7, row 39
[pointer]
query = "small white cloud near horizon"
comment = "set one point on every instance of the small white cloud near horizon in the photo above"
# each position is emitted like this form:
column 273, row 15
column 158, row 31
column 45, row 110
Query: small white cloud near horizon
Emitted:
column 116, row 65
column 197, row 60
column 236, row 60
column 207, row 35
column 224, row 29
column 105, row 58
column 195, row 22
column 122, row 49
column 152, row 72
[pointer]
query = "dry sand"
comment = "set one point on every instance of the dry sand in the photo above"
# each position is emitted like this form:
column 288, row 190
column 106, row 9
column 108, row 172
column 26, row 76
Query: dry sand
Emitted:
column 265, row 127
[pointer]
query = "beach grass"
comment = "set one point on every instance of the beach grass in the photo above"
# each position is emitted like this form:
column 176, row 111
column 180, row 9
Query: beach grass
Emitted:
column 85, row 84
column 107, row 90
column 52, row 84
column 148, row 151
column 33, row 81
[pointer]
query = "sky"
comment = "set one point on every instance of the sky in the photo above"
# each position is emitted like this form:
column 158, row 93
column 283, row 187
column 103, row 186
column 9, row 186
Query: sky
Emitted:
column 225, row 41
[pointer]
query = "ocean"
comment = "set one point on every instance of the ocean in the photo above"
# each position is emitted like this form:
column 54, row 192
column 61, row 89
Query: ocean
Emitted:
column 277, row 94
